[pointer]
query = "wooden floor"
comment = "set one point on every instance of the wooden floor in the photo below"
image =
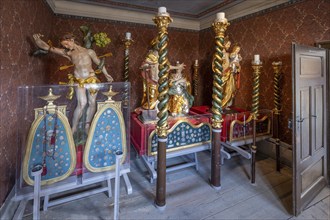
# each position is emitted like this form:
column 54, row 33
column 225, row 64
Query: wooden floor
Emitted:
column 189, row 195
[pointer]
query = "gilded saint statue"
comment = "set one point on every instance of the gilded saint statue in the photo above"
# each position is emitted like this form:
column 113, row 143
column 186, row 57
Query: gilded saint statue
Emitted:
column 150, row 80
column 179, row 87
column 149, row 72
column 181, row 99
column 231, row 73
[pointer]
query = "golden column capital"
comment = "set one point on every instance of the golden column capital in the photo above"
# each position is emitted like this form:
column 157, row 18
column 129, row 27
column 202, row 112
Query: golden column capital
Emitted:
column 220, row 27
column 127, row 42
column 277, row 67
column 162, row 21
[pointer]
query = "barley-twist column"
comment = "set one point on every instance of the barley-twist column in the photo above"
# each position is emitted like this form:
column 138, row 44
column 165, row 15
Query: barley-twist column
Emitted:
column 162, row 20
column 219, row 26
column 195, row 78
column 128, row 42
column 256, row 66
column 277, row 67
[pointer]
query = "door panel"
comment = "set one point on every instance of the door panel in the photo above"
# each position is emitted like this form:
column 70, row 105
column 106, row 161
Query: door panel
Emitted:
column 311, row 66
column 318, row 118
column 309, row 128
column 304, row 140
column 311, row 175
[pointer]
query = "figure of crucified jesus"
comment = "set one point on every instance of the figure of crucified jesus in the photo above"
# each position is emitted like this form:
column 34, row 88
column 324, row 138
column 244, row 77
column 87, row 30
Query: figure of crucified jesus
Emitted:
column 82, row 59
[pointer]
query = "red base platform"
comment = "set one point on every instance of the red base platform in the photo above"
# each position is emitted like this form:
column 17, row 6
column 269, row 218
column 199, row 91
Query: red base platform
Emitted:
column 237, row 124
column 140, row 132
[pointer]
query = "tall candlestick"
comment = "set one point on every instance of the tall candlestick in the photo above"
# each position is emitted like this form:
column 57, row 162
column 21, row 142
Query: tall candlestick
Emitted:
column 256, row 66
column 219, row 26
column 162, row 20
column 277, row 66
column 195, row 79
column 127, row 42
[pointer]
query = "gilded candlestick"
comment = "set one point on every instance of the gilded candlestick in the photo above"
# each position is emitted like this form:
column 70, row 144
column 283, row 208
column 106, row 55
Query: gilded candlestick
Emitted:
column 219, row 26
column 127, row 42
column 162, row 20
column 256, row 66
column 277, row 67
column 195, row 78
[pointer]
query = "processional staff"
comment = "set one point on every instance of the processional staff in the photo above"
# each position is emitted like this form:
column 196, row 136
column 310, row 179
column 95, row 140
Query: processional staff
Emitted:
column 219, row 26
column 128, row 42
column 256, row 66
column 277, row 67
column 195, row 78
column 162, row 20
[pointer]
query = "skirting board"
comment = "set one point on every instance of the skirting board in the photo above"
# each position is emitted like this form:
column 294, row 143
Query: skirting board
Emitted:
column 267, row 147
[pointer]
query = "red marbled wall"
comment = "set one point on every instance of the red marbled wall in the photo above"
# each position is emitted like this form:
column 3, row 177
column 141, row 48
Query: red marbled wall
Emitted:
column 271, row 36
column 18, row 21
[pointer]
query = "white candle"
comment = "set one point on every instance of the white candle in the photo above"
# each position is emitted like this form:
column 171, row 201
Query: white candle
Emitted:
column 196, row 62
column 257, row 58
column 220, row 16
column 128, row 35
column 162, row 10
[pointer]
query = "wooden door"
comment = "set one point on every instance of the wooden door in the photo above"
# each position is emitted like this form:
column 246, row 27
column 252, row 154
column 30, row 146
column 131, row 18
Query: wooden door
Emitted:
column 309, row 127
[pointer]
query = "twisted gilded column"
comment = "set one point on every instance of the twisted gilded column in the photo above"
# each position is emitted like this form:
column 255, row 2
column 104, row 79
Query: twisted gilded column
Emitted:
column 277, row 67
column 195, row 78
column 128, row 42
column 256, row 66
column 162, row 20
column 219, row 26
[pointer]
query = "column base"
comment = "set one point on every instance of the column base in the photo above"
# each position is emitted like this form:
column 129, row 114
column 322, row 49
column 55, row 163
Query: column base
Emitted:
column 160, row 208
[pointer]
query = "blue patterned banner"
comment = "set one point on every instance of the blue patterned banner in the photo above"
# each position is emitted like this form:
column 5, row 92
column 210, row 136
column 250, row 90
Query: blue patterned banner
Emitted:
column 182, row 135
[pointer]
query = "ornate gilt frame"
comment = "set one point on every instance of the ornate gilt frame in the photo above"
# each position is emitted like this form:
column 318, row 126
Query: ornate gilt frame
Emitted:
column 102, row 106
column 32, row 132
column 172, row 129
column 250, row 118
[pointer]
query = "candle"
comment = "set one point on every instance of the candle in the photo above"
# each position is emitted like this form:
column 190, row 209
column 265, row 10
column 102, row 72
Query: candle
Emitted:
column 257, row 58
column 196, row 62
column 128, row 35
column 220, row 16
column 162, row 10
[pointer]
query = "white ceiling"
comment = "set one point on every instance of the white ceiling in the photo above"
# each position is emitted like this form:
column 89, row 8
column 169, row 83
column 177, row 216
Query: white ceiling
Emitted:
column 187, row 14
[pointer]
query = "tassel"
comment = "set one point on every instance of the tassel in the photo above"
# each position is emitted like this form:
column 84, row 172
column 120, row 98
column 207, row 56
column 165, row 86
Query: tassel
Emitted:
column 44, row 170
column 52, row 140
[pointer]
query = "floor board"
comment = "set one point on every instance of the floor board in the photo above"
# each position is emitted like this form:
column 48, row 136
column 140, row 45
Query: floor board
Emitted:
column 189, row 195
